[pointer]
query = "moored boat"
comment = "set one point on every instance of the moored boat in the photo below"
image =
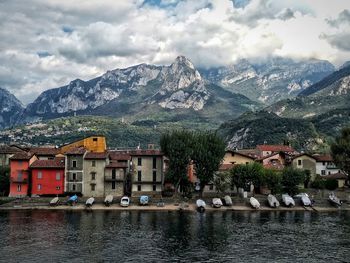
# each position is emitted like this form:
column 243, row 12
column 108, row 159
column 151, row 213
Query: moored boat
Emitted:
column 288, row 200
column 217, row 203
column 228, row 200
column 54, row 201
column 304, row 199
column 108, row 200
column 72, row 200
column 334, row 200
column 125, row 201
column 254, row 203
column 90, row 202
column 200, row 205
column 144, row 199
column 272, row 200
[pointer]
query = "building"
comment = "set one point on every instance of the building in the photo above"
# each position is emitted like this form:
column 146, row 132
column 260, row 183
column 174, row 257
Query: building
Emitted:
column 45, row 153
column 91, row 144
column 325, row 165
column 74, row 170
column 20, row 176
column 6, row 152
column 276, row 161
column 147, row 173
column 340, row 177
column 94, row 173
column 232, row 158
column 48, row 177
column 305, row 162
column 266, row 150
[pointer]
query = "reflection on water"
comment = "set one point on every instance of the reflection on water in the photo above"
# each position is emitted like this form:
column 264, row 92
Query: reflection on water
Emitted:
column 130, row 236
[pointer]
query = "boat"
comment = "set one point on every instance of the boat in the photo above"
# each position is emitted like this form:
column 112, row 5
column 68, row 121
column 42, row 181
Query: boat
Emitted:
column 288, row 200
column 54, row 201
column 217, row 203
column 200, row 205
column 108, row 200
column 272, row 200
column 228, row 200
column 334, row 200
column 72, row 200
column 144, row 199
column 90, row 202
column 304, row 199
column 254, row 203
column 125, row 201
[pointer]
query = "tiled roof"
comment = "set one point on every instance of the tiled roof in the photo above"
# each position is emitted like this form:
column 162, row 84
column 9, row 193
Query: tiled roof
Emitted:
column 275, row 166
column 44, row 151
column 117, row 165
column 146, row 152
column 323, row 158
column 335, row 176
column 303, row 154
column 254, row 153
column 118, row 155
column 226, row 167
column 55, row 163
column 76, row 151
column 92, row 155
column 275, row 148
column 242, row 154
column 22, row 156
column 6, row 149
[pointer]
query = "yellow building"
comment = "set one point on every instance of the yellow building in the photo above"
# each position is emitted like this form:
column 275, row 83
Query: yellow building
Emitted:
column 92, row 144
column 305, row 162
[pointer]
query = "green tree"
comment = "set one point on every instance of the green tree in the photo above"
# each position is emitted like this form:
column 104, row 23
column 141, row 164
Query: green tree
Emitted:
column 177, row 147
column 340, row 150
column 208, row 152
column 291, row 179
column 4, row 181
column 273, row 180
column 243, row 175
column 222, row 181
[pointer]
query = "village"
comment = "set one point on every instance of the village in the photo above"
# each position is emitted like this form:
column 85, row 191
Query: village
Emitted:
column 88, row 169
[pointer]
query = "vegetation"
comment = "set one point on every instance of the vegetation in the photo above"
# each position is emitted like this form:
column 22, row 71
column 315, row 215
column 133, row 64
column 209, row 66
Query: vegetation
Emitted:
column 222, row 182
column 243, row 175
column 341, row 151
column 4, row 181
column 273, row 180
column 291, row 179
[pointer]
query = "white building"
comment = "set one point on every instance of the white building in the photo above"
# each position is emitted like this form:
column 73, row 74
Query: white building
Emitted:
column 325, row 165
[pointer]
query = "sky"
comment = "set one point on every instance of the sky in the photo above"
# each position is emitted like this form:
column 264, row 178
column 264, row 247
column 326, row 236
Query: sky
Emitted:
column 47, row 43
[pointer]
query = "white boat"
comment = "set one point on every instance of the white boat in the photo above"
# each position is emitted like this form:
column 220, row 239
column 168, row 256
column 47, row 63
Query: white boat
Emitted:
column 288, row 200
column 334, row 200
column 228, row 200
column 144, row 199
column 217, row 203
column 272, row 200
column 125, row 201
column 108, row 200
column 254, row 203
column 54, row 201
column 200, row 205
column 90, row 202
column 304, row 199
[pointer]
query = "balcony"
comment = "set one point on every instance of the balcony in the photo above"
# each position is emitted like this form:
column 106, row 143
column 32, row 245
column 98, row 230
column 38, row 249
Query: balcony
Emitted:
column 19, row 180
column 116, row 179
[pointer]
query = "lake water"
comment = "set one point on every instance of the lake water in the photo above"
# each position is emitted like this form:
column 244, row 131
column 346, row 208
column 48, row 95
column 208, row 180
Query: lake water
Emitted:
column 134, row 236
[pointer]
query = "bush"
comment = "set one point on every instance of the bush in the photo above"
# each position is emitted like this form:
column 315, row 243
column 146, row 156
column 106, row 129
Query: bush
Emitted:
column 318, row 183
column 331, row 184
column 291, row 179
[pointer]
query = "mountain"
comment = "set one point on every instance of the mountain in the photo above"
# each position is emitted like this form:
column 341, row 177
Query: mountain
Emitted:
column 332, row 92
column 161, row 93
column 10, row 108
column 271, row 80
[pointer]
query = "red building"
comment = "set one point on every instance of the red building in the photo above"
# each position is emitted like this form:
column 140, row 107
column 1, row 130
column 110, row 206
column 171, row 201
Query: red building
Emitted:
column 48, row 177
column 20, row 173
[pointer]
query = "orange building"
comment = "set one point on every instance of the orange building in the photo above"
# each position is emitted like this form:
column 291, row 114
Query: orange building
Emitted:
column 92, row 144
column 20, row 173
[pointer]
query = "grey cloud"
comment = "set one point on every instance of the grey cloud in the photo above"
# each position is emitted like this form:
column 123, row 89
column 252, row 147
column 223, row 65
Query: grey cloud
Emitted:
column 340, row 41
column 285, row 14
column 342, row 19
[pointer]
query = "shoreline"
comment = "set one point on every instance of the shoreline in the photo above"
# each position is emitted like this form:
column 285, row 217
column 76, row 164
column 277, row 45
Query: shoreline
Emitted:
column 169, row 208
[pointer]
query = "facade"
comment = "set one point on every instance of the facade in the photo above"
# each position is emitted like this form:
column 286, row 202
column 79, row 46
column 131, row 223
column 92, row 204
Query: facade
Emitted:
column 74, row 171
column 94, row 174
column 305, row 162
column 233, row 157
column 275, row 161
column 20, row 176
column 6, row 152
column 147, row 174
column 45, row 153
column 266, row 150
column 91, row 144
column 325, row 165
column 48, row 177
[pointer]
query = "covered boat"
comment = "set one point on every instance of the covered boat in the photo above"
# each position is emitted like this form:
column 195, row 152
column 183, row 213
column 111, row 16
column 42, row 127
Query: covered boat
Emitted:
column 72, row 200
column 200, row 205
column 108, row 200
column 272, row 200
column 90, row 202
column 334, row 200
column 228, row 200
column 54, row 201
column 304, row 199
column 254, row 203
column 125, row 201
column 217, row 203
column 144, row 199
column 288, row 200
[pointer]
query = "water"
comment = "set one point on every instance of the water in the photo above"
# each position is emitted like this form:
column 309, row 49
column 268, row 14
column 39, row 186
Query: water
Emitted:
column 133, row 236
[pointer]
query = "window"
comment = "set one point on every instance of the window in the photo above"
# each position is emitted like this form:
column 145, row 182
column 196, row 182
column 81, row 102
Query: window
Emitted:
column 94, row 139
column 50, row 158
column 329, row 172
column 58, row 176
column 154, row 187
column 93, row 176
column 74, row 163
column 139, row 161
column 73, row 187
column 20, row 163
column 113, row 185
column 139, row 188
column 299, row 162
column 211, row 187
column 40, row 174
column 139, row 175
column 19, row 188
column 58, row 187
column 113, row 174
column 323, row 163
column 154, row 163
column 39, row 187
column 154, row 176
column 323, row 172
column 93, row 163
column 74, row 175
column 92, row 187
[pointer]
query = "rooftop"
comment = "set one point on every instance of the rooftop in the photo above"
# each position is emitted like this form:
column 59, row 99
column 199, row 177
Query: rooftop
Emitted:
column 323, row 158
column 93, row 155
column 22, row 156
column 275, row 148
column 55, row 163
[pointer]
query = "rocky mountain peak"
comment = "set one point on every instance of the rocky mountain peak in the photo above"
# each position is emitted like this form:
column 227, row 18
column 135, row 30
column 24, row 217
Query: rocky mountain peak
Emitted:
column 10, row 108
